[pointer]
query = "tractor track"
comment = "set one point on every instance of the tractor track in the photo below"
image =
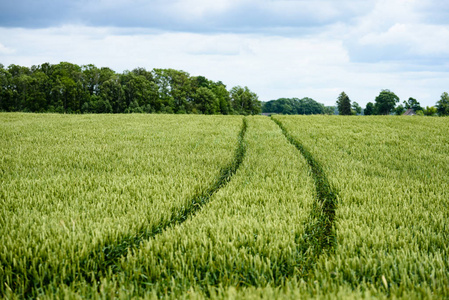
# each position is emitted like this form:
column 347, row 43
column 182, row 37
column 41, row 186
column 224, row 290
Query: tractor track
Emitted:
column 105, row 257
column 319, row 235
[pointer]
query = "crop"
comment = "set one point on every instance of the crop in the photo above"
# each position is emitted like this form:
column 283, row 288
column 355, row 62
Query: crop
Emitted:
column 76, row 190
column 250, row 234
column 168, row 206
column 392, row 175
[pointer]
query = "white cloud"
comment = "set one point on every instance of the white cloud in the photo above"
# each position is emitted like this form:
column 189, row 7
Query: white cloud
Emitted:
column 419, row 39
column 5, row 50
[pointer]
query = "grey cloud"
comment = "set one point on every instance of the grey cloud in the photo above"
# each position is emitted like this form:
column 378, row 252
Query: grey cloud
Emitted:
column 35, row 14
column 242, row 16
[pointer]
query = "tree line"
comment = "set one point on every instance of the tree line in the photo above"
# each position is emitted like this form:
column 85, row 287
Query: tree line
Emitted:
column 295, row 106
column 386, row 103
column 70, row 88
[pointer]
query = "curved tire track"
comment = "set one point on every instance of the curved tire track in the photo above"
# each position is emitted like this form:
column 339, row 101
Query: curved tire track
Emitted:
column 105, row 256
column 319, row 234
column 111, row 253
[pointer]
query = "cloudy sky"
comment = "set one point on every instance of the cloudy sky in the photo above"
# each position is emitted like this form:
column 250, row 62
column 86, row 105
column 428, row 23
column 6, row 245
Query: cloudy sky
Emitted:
column 278, row 48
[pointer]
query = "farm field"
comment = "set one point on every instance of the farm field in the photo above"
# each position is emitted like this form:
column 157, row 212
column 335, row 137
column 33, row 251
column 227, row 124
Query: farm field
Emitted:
column 76, row 189
column 189, row 206
column 392, row 176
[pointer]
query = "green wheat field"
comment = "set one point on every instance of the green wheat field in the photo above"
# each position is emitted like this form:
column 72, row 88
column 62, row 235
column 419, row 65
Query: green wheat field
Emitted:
column 224, row 207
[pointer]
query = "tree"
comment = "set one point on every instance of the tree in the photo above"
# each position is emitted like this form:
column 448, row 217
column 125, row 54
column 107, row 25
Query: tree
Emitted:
column 356, row 108
column 244, row 101
column 206, row 101
column 112, row 91
column 175, row 88
column 443, row 105
column 399, row 110
column 309, row 106
column 430, row 111
column 91, row 78
column 385, row 102
column 295, row 106
column 223, row 97
column 369, row 110
column 6, row 93
column 329, row 110
column 344, row 104
column 70, row 88
column 412, row 103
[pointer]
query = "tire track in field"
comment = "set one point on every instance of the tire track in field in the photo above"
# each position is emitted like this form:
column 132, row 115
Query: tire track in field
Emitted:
column 319, row 234
column 105, row 257
column 112, row 253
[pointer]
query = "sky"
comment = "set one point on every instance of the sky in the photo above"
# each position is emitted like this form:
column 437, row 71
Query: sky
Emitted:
column 278, row 48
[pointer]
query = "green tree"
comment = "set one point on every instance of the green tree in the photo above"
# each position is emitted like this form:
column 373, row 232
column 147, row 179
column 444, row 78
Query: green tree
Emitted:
column 6, row 93
column 399, row 110
column 20, row 80
column 37, row 94
column 430, row 111
column 68, row 93
column 412, row 103
column 112, row 91
column 206, row 102
column 91, row 78
column 385, row 102
column 369, row 109
column 175, row 90
column 67, row 87
column 308, row 106
column 344, row 104
column 244, row 101
column 223, row 97
column 443, row 105
column 22, row 85
column 134, row 108
column 329, row 110
column 356, row 108
column 292, row 106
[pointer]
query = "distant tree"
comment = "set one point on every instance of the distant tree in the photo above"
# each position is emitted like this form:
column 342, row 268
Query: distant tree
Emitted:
column 112, row 91
column 369, row 110
column 309, row 106
column 356, row 108
column 91, row 78
column 224, row 99
column 329, row 110
column 6, row 91
column 385, row 102
column 443, row 105
column 412, row 103
column 96, row 105
column 295, row 106
column 244, row 101
column 70, row 88
column 399, row 110
column 430, row 111
column 206, row 102
column 175, row 89
column 344, row 104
